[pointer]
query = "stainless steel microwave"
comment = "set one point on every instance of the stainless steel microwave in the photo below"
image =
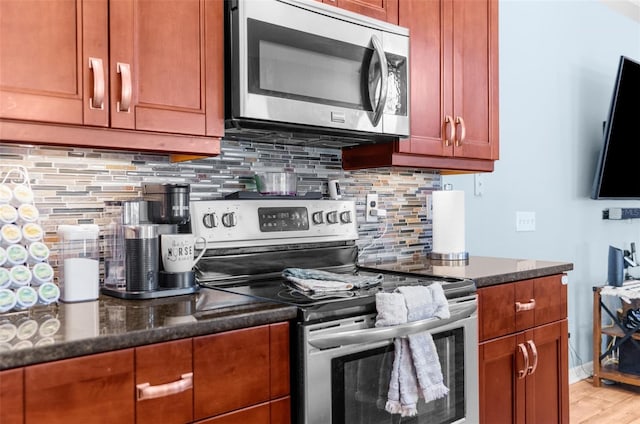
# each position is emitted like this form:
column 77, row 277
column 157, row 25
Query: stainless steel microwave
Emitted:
column 303, row 72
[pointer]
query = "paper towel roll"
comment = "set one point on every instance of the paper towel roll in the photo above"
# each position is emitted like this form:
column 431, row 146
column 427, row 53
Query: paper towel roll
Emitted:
column 448, row 222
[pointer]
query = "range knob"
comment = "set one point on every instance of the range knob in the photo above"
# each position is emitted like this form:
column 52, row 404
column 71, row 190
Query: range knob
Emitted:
column 210, row 220
column 317, row 217
column 345, row 217
column 229, row 219
column 332, row 217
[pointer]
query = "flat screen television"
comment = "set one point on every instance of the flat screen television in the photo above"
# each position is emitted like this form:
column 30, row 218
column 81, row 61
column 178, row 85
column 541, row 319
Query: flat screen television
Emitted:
column 618, row 170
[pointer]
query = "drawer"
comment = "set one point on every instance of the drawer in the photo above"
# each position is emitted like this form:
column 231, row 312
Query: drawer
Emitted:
column 506, row 308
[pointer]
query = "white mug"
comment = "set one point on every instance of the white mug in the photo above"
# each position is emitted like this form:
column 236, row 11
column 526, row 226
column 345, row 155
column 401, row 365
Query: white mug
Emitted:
column 177, row 251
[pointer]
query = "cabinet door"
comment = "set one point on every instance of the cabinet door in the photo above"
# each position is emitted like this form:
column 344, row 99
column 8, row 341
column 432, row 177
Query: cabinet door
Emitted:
column 430, row 76
column 45, row 54
column 72, row 390
column 165, row 365
column 475, row 78
column 384, row 10
column 12, row 396
column 255, row 415
column 166, row 66
column 548, row 386
column 502, row 389
column 231, row 371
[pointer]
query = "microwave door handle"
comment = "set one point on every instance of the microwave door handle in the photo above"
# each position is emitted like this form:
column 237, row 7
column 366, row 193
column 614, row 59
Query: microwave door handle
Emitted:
column 384, row 76
column 373, row 335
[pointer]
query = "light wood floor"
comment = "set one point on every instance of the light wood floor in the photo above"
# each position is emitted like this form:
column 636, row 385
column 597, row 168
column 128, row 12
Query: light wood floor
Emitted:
column 615, row 404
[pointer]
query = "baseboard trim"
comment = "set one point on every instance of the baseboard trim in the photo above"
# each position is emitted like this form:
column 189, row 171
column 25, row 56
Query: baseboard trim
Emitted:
column 580, row 372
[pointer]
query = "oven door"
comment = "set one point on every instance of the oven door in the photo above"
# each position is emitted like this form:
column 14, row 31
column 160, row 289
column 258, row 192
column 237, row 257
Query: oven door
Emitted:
column 346, row 381
column 295, row 63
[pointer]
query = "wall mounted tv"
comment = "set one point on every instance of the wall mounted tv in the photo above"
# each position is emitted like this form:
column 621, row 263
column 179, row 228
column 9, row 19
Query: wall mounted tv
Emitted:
column 618, row 170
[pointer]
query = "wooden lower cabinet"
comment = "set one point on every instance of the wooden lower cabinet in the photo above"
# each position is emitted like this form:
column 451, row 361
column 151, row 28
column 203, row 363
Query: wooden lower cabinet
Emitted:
column 12, row 396
column 96, row 388
column 239, row 376
column 523, row 352
column 165, row 370
column 513, row 393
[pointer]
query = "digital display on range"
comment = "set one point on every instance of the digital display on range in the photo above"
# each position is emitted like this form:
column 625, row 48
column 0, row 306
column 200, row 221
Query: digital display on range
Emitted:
column 283, row 219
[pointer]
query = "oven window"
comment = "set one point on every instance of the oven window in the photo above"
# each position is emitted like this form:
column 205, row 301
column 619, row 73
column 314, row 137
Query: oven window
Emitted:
column 297, row 65
column 360, row 383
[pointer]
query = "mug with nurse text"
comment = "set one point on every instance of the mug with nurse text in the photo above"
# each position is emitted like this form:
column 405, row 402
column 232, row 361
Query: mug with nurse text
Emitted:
column 178, row 251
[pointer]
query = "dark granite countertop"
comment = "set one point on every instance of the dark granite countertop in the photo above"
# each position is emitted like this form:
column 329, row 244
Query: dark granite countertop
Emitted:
column 49, row 333
column 485, row 271
column 65, row 330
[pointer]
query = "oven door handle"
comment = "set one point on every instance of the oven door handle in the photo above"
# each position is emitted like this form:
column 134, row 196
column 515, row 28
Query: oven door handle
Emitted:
column 373, row 335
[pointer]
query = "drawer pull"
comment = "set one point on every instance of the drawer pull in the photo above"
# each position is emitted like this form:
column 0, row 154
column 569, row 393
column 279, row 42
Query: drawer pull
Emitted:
column 448, row 122
column 463, row 131
column 147, row 391
column 522, row 373
column 534, row 352
column 525, row 306
column 97, row 99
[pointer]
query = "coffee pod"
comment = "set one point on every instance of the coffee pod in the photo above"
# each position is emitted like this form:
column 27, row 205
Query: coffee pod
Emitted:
column 27, row 328
column 28, row 213
column 22, row 194
column 20, row 276
column 38, row 252
column 7, row 300
column 32, row 232
column 26, row 297
column 8, row 214
column 5, row 278
column 42, row 273
column 11, row 233
column 16, row 255
column 6, row 194
column 48, row 293
column 3, row 256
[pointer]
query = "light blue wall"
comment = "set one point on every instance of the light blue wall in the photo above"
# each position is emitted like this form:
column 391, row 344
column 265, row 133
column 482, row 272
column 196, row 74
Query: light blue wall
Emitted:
column 558, row 61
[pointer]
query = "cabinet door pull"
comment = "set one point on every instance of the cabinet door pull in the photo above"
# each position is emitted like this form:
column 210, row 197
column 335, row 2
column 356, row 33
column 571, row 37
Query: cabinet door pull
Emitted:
column 522, row 373
column 531, row 304
column 147, row 391
column 125, row 93
column 463, row 131
column 448, row 124
column 97, row 100
column 534, row 352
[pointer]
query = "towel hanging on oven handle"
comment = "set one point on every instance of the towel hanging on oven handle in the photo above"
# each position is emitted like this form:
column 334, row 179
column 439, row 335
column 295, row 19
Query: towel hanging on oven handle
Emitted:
column 371, row 335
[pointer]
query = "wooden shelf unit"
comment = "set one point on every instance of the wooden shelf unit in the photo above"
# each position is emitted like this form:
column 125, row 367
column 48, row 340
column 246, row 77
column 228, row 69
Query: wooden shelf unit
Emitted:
column 609, row 371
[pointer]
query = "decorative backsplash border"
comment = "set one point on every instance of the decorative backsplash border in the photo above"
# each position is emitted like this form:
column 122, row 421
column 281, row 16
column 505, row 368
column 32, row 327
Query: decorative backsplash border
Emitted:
column 72, row 184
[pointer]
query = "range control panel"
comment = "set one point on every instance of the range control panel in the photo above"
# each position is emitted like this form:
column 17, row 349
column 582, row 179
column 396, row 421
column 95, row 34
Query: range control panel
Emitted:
column 244, row 223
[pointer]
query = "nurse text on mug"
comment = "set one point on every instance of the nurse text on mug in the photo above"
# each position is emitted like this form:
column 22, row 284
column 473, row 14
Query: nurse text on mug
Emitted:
column 178, row 250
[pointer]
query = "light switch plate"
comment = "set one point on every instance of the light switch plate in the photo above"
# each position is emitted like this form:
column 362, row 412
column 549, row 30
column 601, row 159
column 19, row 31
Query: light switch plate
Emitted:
column 525, row 221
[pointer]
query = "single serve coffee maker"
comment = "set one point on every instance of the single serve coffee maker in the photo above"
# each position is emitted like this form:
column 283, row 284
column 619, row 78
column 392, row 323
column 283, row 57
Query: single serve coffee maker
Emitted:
column 150, row 252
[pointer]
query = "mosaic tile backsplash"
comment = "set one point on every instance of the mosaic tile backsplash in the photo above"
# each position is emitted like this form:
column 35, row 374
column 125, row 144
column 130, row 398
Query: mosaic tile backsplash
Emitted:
column 71, row 186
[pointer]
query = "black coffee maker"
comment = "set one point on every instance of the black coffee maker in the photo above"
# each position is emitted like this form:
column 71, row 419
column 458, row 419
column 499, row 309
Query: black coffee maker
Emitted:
column 163, row 209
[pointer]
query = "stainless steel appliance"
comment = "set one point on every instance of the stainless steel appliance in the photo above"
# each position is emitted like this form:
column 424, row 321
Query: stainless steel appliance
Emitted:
column 163, row 209
column 339, row 358
column 304, row 72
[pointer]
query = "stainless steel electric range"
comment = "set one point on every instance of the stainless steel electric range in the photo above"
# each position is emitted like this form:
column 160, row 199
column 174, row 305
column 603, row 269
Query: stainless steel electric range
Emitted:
column 340, row 360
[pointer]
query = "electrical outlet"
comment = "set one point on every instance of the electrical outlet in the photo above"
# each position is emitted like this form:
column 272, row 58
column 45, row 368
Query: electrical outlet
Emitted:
column 525, row 221
column 370, row 207
column 428, row 205
column 478, row 188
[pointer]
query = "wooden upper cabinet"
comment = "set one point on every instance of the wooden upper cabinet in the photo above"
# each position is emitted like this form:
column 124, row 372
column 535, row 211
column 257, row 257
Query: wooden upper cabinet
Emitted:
column 46, row 49
column 166, row 66
column 454, row 89
column 150, row 71
column 384, row 10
